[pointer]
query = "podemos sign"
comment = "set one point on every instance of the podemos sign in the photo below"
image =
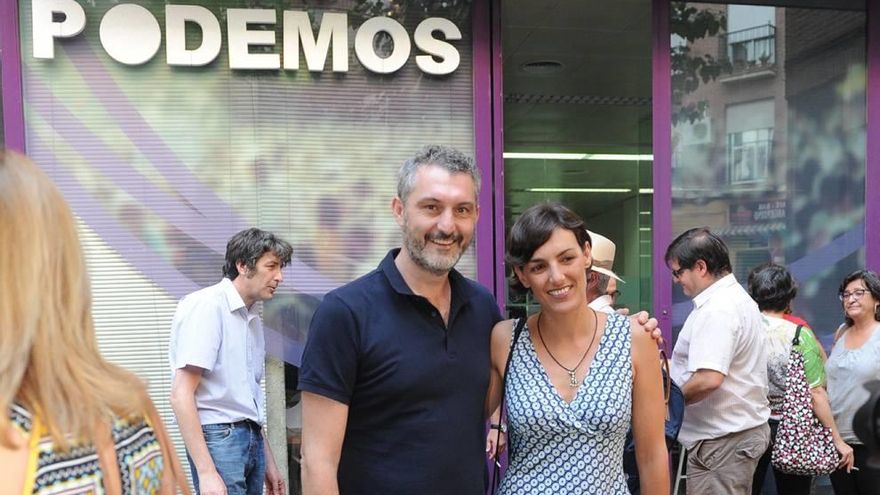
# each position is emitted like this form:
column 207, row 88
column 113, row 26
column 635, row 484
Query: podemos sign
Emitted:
column 131, row 35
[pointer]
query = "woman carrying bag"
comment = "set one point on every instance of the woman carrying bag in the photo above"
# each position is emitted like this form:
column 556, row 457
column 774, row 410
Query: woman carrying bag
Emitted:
column 773, row 288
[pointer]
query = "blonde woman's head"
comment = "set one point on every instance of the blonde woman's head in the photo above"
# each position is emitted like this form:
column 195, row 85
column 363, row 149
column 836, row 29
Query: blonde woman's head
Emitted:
column 49, row 357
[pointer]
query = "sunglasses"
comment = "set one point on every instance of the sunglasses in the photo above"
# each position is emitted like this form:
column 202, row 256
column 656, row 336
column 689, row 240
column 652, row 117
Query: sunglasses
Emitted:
column 677, row 273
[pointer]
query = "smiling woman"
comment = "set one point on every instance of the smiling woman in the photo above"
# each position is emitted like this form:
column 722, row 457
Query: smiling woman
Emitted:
column 592, row 375
column 855, row 361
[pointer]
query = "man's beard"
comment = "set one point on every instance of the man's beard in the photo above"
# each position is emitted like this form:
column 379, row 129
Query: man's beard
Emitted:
column 434, row 263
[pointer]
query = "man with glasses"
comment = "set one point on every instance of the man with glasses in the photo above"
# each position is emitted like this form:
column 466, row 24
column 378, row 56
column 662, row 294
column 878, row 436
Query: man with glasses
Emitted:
column 720, row 363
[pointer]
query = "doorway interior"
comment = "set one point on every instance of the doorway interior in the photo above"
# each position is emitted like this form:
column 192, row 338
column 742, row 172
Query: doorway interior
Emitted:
column 577, row 125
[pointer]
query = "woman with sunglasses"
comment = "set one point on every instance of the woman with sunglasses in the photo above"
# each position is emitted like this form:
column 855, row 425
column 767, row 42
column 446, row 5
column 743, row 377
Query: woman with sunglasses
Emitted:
column 774, row 289
column 854, row 361
column 578, row 379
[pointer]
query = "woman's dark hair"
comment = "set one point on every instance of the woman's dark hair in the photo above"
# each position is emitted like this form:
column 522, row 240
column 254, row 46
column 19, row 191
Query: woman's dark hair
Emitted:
column 533, row 228
column 872, row 283
column 772, row 287
column 700, row 244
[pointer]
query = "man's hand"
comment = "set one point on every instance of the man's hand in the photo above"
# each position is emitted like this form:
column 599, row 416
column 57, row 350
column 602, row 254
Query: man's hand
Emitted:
column 651, row 325
column 274, row 480
column 210, row 483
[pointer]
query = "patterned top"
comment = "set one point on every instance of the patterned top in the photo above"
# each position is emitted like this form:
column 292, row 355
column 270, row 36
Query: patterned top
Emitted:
column 576, row 448
column 780, row 333
column 77, row 471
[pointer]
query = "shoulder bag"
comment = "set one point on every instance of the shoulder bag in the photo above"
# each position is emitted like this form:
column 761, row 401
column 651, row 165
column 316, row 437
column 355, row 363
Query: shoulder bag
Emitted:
column 803, row 445
column 517, row 330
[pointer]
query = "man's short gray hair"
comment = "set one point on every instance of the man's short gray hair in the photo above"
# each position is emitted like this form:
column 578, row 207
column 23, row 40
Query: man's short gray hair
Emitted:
column 445, row 157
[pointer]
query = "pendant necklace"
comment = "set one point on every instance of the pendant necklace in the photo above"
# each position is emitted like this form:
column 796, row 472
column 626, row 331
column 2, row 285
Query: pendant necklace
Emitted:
column 572, row 372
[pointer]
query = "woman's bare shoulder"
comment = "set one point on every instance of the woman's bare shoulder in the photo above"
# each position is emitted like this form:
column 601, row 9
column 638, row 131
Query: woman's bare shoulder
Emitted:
column 502, row 331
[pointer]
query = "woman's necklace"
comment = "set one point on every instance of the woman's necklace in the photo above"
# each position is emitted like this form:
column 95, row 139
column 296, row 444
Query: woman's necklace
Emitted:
column 572, row 372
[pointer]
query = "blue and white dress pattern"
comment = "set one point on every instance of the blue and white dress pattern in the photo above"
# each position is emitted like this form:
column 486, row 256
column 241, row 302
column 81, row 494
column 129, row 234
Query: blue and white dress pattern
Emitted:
column 576, row 448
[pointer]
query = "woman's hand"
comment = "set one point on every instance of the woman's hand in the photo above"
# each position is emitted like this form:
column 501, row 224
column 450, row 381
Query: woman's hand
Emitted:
column 846, row 455
column 493, row 450
column 822, row 410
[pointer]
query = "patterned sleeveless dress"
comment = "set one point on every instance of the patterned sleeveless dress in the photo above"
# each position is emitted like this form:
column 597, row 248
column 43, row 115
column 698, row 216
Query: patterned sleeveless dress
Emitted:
column 77, row 471
column 576, row 448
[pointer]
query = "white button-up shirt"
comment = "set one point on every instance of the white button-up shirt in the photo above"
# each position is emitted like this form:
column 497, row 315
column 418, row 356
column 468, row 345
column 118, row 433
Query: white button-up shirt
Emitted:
column 602, row 304
column 724, row 333
column 213, row 330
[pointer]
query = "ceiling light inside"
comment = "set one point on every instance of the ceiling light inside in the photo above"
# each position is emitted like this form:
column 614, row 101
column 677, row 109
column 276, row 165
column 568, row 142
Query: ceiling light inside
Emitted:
column 613, row 157
column 578, row 190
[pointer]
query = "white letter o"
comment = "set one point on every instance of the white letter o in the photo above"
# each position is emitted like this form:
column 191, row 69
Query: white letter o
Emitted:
column 363, row 45
column 130, row 34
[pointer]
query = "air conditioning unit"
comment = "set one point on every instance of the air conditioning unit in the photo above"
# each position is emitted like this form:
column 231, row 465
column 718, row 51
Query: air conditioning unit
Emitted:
column 698, row 132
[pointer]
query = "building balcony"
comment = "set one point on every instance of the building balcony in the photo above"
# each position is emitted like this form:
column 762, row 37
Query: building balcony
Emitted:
column 748, row 53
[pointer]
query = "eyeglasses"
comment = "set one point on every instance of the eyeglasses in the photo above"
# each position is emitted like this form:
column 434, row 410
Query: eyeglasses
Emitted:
column 857, row 294
column 677, row 273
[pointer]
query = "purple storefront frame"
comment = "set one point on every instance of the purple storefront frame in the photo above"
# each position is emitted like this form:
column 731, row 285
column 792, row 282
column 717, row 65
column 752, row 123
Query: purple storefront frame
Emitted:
column 498, row 142
column 661, row 93
column 487, row 101
column 13, row 113
column 872, row 153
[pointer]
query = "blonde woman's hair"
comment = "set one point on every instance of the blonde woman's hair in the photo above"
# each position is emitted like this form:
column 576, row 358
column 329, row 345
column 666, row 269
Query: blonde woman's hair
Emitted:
column 49, row 358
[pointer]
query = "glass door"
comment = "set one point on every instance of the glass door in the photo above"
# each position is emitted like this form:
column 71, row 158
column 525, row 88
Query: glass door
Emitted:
column 577, row 126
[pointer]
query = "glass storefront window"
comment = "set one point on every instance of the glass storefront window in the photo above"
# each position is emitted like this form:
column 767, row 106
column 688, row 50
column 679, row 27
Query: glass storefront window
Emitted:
column 769, row 142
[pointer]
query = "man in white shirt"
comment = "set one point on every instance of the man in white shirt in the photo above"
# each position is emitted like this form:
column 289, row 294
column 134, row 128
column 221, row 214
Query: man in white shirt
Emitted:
column 217, row 355
column 720, row 363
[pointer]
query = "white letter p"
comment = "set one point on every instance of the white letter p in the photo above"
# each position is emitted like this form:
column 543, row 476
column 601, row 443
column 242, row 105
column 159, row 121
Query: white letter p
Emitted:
column 46, row 29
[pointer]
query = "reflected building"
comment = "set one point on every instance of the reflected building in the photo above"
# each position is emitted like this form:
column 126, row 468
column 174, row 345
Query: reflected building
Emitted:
column 769, row 151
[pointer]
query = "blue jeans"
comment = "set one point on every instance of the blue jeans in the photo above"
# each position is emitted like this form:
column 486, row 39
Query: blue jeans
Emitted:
column 237, row 452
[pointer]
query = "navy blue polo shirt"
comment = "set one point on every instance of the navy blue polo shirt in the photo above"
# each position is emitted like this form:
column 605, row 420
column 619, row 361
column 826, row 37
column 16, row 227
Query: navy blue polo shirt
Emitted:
column 415, row 387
